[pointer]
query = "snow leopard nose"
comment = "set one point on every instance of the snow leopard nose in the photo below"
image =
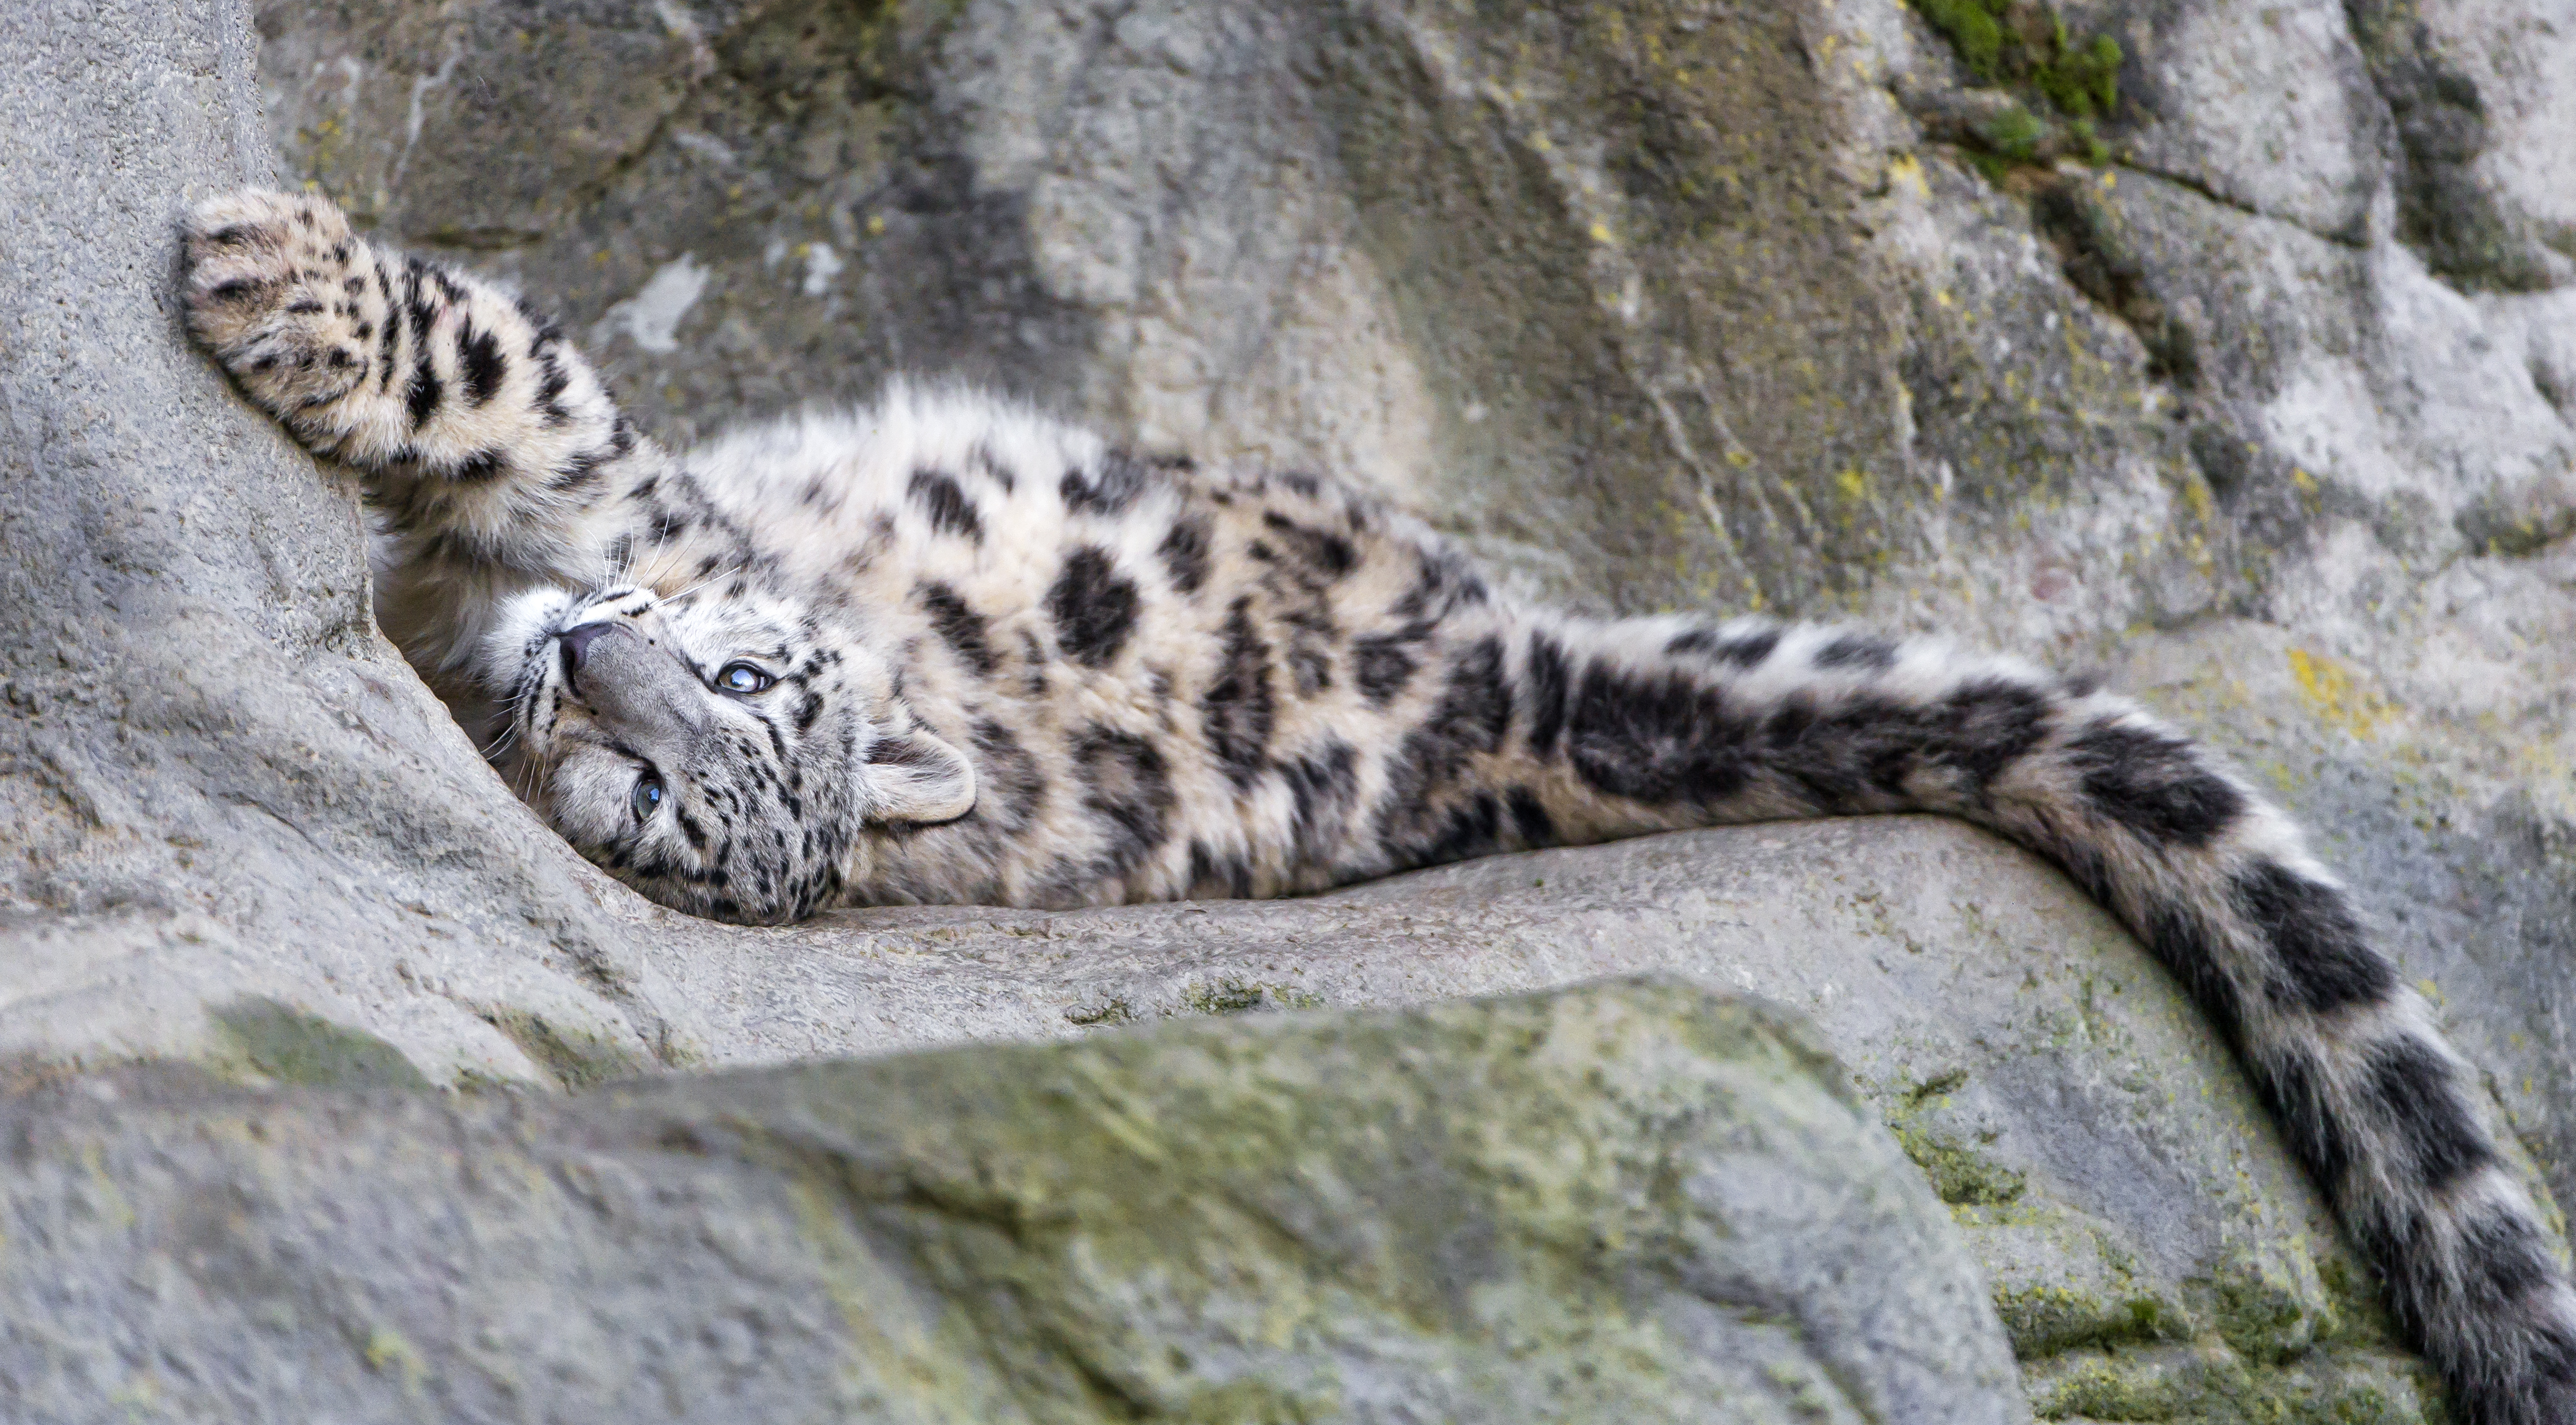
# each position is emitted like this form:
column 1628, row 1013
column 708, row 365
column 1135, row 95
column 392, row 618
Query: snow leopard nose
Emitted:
column 575, row 643
column 631, row 683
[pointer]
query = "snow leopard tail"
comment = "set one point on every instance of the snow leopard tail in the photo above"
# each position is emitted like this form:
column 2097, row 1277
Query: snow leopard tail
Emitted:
column 1656, row 722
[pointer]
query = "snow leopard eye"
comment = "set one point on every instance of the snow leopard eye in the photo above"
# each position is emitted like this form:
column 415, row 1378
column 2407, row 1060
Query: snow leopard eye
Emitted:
column 743, row 678
column 647, row 797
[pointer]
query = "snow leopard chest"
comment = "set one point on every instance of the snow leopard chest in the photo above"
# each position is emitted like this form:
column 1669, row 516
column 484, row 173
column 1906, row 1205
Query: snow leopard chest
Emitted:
column 1170, row 682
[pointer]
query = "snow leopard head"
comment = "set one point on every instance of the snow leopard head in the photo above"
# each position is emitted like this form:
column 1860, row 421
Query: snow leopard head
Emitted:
column 714, row 750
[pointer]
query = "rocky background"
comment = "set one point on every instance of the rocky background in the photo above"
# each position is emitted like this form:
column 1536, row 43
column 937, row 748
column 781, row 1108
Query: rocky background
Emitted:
column 2228, row 349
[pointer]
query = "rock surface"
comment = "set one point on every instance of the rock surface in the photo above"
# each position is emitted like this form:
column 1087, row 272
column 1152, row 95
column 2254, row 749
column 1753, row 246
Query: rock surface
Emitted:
column 1659, row 304
column 1638, row 1202
column 2148, row 1240
column 2255, row 393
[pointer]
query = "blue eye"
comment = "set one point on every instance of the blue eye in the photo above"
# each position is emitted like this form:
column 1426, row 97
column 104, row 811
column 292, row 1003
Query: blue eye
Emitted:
column 743, row 678
column 647, row 797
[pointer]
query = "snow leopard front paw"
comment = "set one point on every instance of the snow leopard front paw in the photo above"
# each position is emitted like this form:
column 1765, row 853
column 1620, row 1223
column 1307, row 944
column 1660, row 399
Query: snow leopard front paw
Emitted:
column 278, row 288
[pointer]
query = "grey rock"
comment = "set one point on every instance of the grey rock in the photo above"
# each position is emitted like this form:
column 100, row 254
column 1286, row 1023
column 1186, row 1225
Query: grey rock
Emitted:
column 2147, row 1238
column 1657, row 304
column 1665, row 305
column 1632, row 1202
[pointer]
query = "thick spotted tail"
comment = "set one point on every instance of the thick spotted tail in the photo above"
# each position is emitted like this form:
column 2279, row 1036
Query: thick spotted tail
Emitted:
column 1650, row 723
column 485, row 438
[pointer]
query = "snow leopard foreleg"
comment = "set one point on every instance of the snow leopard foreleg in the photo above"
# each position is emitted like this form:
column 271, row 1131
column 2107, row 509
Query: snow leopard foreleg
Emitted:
column 1642, row 724
column 484, row 437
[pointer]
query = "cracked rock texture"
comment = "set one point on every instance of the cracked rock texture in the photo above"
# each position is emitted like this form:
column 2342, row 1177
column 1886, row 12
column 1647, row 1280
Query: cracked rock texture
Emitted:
column 2250, row 389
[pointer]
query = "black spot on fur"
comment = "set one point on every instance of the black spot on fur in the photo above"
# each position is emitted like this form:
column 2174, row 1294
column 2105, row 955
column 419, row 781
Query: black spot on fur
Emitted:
column 1214, row 877
column 1445, row 581
column 1120, row 480
column 2152, row 784
column 393, row 327
column 1238, row 709
column 552, row 381
column 1530, row 821
column 478, row 355
column 424, row 392
column 577, row 470
column 421, row 397
column 2504, row 1259
column 1382, row 667
column 1983, row 727
column 1184, row 553
column 1301, row 484
column 1472, row 828
column 962, row 627
column 2320, row 960
column 1742, row 650
column 1657, row 738
column 482, row 467
column 1008, row 784
column 1549, row 690
column 1310, row 663
column 950, row 511
column 1848, row 756
column 1128, row 789
column 1323, row 551
column 1323, row 783
column 2189, row 948
column 1094, row 607
column 2310, row 1121
column 1474, row 712
column 1864, row 651
column 2422, row 1105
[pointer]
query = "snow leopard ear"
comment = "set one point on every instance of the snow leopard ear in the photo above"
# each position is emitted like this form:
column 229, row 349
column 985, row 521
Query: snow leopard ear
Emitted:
column 914, row 777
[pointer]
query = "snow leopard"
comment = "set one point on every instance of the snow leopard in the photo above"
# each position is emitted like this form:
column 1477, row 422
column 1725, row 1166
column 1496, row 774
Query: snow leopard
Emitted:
column 943, row 649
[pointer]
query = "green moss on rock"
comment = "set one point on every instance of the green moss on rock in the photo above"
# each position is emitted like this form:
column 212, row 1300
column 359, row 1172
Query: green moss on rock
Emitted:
column 291, row 1046
column 578, row 1058
column 2025, row 48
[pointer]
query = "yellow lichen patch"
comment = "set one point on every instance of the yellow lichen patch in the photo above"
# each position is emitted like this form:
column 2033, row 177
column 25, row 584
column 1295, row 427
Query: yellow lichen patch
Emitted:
column 2331, row 692
column 2196, row 494
column 387, row 1353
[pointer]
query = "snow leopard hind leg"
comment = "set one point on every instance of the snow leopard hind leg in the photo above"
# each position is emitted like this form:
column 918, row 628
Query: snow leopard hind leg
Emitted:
column 1620, row 727
column 493, row 456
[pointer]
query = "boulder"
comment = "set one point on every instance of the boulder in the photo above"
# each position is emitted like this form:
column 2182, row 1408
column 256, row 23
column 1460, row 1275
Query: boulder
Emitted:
column 1640, row 1201
column 2229, row 351
column 1657, row 305
column 2148, row 1240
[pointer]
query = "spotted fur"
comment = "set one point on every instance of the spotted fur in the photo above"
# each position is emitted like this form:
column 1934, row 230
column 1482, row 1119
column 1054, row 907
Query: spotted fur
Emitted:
column 943, row 650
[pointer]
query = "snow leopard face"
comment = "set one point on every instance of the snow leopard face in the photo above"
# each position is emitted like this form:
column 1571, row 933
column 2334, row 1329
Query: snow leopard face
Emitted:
column 719, row 754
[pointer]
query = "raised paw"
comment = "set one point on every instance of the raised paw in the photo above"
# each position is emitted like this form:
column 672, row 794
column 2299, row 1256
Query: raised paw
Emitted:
column 283, row 293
